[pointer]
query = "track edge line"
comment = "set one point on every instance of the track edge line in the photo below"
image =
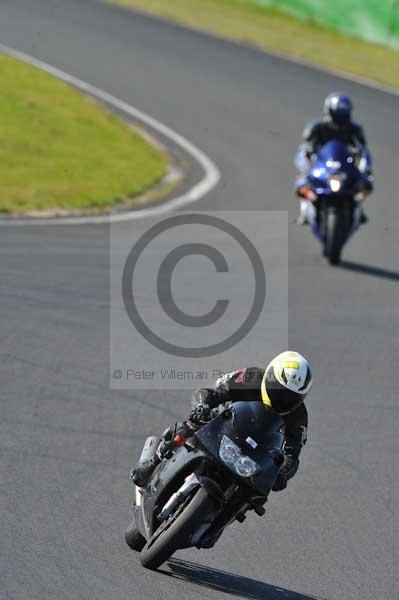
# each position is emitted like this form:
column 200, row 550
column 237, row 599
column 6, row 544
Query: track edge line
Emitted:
column 198, row 191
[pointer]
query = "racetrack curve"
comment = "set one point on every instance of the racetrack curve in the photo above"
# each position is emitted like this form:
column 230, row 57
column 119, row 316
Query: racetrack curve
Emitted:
column 67, row 441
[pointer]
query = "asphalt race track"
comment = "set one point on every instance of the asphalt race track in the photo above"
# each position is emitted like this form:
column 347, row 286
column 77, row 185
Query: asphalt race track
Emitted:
column 67, row 442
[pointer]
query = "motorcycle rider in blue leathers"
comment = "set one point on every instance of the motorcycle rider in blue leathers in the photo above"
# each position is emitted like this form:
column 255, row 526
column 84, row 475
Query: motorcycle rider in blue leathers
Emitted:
column 282, row 386
column 336, row 124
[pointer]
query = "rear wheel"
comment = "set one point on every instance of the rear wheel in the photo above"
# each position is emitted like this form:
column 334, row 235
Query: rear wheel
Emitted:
column 176, row 531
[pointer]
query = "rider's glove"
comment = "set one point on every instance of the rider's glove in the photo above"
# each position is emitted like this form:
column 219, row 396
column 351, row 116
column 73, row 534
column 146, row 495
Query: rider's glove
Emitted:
column 220, row 408
column 185, row 429
column 200, row 414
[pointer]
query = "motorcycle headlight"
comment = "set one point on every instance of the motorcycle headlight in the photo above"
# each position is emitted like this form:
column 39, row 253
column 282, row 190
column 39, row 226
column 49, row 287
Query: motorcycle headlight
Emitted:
column 337, row 181
column 335, row 184
column 231, row 454
column 245, row 466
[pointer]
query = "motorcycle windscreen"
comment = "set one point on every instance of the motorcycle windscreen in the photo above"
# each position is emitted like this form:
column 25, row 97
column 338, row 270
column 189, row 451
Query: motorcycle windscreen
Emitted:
column 257, row 431
column 335, row 152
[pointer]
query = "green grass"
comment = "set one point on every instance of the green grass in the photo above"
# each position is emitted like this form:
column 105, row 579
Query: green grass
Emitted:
column 271, row 29
column 60, row 150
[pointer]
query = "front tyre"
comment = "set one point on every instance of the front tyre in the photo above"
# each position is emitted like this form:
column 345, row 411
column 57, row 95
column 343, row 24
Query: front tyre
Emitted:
column 176, row 532
column 334, row 236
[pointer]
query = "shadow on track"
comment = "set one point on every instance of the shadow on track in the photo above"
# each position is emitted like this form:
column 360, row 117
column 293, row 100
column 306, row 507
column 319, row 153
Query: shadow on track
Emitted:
column 369, row 270
column 236, row 585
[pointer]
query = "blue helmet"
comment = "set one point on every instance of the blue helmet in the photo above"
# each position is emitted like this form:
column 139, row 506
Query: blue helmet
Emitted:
column 338, row 107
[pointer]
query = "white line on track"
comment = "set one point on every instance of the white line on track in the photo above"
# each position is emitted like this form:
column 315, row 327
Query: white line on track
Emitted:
column 200, row 189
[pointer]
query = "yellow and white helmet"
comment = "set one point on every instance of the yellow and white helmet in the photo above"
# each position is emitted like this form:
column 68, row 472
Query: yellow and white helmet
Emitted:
column 286, row 382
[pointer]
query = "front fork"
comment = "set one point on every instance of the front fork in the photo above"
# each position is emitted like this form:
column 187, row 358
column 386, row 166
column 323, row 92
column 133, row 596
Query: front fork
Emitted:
column 237, row 504
column 318, row 224
column 190, row 483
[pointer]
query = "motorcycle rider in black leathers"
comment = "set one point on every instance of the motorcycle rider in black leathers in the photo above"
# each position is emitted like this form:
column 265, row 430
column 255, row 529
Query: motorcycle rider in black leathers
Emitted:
column 336, row 124
column 283, row 386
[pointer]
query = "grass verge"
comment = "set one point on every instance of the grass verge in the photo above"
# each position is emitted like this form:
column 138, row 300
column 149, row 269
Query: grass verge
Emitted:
column 60, row 150
column 271, row 29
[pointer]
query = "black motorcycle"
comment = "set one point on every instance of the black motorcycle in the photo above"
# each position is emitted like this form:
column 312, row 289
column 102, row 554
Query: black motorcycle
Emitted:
column 213, row 478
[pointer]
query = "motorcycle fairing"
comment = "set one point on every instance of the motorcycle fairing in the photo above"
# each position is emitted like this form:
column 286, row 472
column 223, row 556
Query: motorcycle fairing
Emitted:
column 335, row 159
column 167, row 477
column 258, row 423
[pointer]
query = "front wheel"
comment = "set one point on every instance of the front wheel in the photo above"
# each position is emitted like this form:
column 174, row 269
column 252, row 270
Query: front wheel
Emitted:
column 334, row 236
column 176, row 531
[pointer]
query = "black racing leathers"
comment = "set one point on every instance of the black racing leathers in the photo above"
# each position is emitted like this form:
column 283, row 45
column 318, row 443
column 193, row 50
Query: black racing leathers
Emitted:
column 245, row 385
column 318, row 133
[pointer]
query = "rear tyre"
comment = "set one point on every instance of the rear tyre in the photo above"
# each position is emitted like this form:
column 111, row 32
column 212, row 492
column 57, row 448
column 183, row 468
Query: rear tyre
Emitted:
column 171, row 536
column 335, row 237
column 133, row 537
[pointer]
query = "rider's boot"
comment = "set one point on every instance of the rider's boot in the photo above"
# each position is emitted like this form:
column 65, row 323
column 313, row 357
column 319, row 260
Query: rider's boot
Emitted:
column 141, row 473
column 363, row 218
column 151, row 456
column 302, row 219
column 155, row 449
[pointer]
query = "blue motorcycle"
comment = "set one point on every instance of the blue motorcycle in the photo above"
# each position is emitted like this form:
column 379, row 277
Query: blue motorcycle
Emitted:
column 334, row 187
